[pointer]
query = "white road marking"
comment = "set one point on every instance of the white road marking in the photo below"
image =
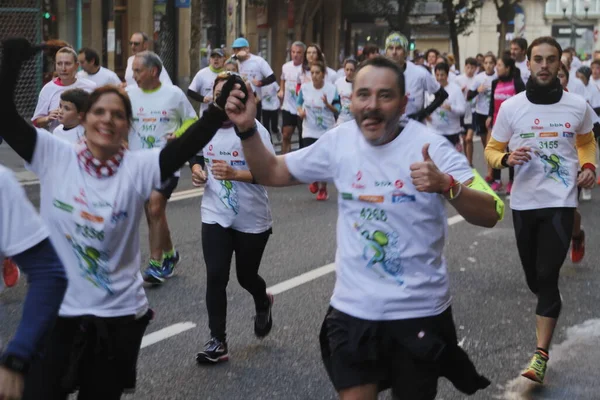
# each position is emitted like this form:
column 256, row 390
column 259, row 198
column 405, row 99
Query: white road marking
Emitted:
column 166, row 333
column 186, row 194
column 279, row 288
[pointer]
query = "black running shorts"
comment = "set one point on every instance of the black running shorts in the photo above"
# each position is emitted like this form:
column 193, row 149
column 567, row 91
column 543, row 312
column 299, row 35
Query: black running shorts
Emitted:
column 288, row 119
column 479, row 124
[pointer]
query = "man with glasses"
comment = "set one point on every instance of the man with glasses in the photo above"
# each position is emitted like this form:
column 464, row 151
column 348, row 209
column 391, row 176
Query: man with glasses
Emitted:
column 139, row 42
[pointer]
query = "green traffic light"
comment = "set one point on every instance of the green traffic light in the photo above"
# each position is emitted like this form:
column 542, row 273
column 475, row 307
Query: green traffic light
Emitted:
column 47, row 15
column 412, row 46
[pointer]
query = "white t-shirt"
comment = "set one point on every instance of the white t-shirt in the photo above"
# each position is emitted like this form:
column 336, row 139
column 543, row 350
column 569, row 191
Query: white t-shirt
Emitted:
column 270, row 101
column 525, row 73
column 157, row 114
column 21, row 226
column 49, row 98
column 330, row 76
column 465, row 82
column 319, row 119
column 292, row 75
column 165, row 79
column 448, row 122
column 232, row 204
column 390, row 237
column 482, row 100
column 255, row 67
column 104, row 76
column 344, row 89
column 94, row 226
column 74, row 135
column 203, row 84
column 549, row 179
column 417, row 81
column 593, row 94
column 575, row 86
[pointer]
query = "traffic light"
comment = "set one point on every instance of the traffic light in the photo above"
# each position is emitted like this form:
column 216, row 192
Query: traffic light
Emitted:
column 411, row 45
column 47, row 15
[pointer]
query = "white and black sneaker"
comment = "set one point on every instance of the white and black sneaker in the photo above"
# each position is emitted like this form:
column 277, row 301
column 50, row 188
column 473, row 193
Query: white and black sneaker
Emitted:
column 215, row 351
column 263, row 322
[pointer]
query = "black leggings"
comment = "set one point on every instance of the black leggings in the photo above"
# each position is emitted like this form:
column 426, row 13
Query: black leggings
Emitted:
column 218, row 245
column 543, row 239
column 270, row 120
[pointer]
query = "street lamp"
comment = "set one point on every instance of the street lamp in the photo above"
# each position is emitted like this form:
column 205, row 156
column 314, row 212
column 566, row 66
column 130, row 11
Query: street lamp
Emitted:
column 573, row 19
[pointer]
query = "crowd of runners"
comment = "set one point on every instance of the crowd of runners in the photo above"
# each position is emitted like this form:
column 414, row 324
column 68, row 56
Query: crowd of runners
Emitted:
column 394, row 132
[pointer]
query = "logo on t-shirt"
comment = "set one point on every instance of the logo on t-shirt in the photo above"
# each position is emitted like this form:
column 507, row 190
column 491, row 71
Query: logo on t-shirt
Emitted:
column 63, row 206
column 357, row 184
column 401, row 197
column 235, row 153
column 398, row 184
column 527, row 135
column 371, row 198
column 383, row 183
column 238, row 163
column 567, row 125
column 548, row 134
column 568, row 134
column 347, row 196
column 557, row 125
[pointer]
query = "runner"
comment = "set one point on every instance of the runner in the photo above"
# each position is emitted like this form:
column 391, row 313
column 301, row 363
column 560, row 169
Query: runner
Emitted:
column 139, row 42
column 507, row 85
column 291, row 79
column 390, row 318
column 270, row 105
column 160, row 113
column 371, row 50
column 445, row 120
column 465, row 81
column 24, row 238
column 312, row 55
column 550, row 132
column 431, row 57
column 72, row 104
column 318, row 107
column 481, row 91
column 574, row 86
column 201, row 87
column 344, row 89
column 418, row 81
column 89, row 60
column 236, row 218
column 518, row 52
column 47, row 109
column 92, row 199
column 253, row 68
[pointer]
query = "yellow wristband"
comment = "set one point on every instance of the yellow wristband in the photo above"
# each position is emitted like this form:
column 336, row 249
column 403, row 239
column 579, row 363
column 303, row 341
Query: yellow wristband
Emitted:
column 481, row 185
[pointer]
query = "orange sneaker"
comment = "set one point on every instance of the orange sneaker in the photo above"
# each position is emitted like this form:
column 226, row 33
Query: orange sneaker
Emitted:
column 313, row 187
column 323, row 195
column 10, row 272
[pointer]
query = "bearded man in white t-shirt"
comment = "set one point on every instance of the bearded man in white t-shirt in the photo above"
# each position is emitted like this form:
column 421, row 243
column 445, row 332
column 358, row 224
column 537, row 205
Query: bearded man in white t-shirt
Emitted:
column 161, row 112
column 390, row 320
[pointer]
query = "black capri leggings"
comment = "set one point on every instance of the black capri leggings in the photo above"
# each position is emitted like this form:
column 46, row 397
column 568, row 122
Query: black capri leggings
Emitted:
column 543, row 239
column 218, row 245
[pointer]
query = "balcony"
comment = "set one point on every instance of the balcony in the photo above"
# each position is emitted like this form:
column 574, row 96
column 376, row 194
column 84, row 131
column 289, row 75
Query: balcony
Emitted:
column 554, row 8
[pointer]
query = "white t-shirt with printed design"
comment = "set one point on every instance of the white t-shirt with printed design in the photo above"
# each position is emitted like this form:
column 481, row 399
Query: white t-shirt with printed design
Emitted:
column 255, row 67
column 94, row 226
column 593, row 94
column 74, row 135
column 549, row 179
column 104, row 76
column 482, row 100
column 270, row 101
column 232, row 204
column 417, row 81
column 319, row 119
column 203, row 84
column 49, row 98
column 156, row 115
column 463, row 81
column 292, row 75
column 21, row 227
column 448, row 122
column 390, row 237
column 344, row 89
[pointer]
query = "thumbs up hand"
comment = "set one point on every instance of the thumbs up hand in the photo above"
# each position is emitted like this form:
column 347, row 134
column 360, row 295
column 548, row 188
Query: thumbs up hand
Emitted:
column 426, row 176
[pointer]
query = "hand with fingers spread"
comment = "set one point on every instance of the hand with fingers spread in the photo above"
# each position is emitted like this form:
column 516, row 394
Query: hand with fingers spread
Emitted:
column 519, row 156
column 586, row 179
column 426, row 177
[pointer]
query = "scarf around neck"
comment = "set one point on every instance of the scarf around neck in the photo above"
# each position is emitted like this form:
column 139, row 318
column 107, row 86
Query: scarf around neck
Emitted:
column 99, row 169
column 537, row 94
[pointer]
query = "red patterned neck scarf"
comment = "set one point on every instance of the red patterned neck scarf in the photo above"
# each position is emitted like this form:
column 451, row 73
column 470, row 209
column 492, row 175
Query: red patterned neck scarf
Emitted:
column 100, row 169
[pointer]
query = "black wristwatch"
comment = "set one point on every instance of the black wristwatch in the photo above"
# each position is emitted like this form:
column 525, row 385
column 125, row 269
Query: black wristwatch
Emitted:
column 504, row 161
column 246, row 134
column 14, row 363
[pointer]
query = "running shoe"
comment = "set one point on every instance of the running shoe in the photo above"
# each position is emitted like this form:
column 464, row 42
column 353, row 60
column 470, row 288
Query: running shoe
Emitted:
column 586, row 194
column 313, row 187
column 10, row 272
column 578, row 247
column 169, row 264
column 323, row 195
column 509, row 188
column 154, row 274
column 215, row 351
column 263, row 322
column 537, row 368
column 496, row 186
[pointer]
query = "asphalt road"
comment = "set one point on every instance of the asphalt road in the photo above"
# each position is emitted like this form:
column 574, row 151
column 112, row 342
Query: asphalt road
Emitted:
column 493, row 310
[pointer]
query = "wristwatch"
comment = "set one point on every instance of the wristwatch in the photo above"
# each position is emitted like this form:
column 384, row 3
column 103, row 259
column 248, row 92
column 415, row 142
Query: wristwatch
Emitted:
column 504, row 161
column 14, row 363
column 246, row 134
